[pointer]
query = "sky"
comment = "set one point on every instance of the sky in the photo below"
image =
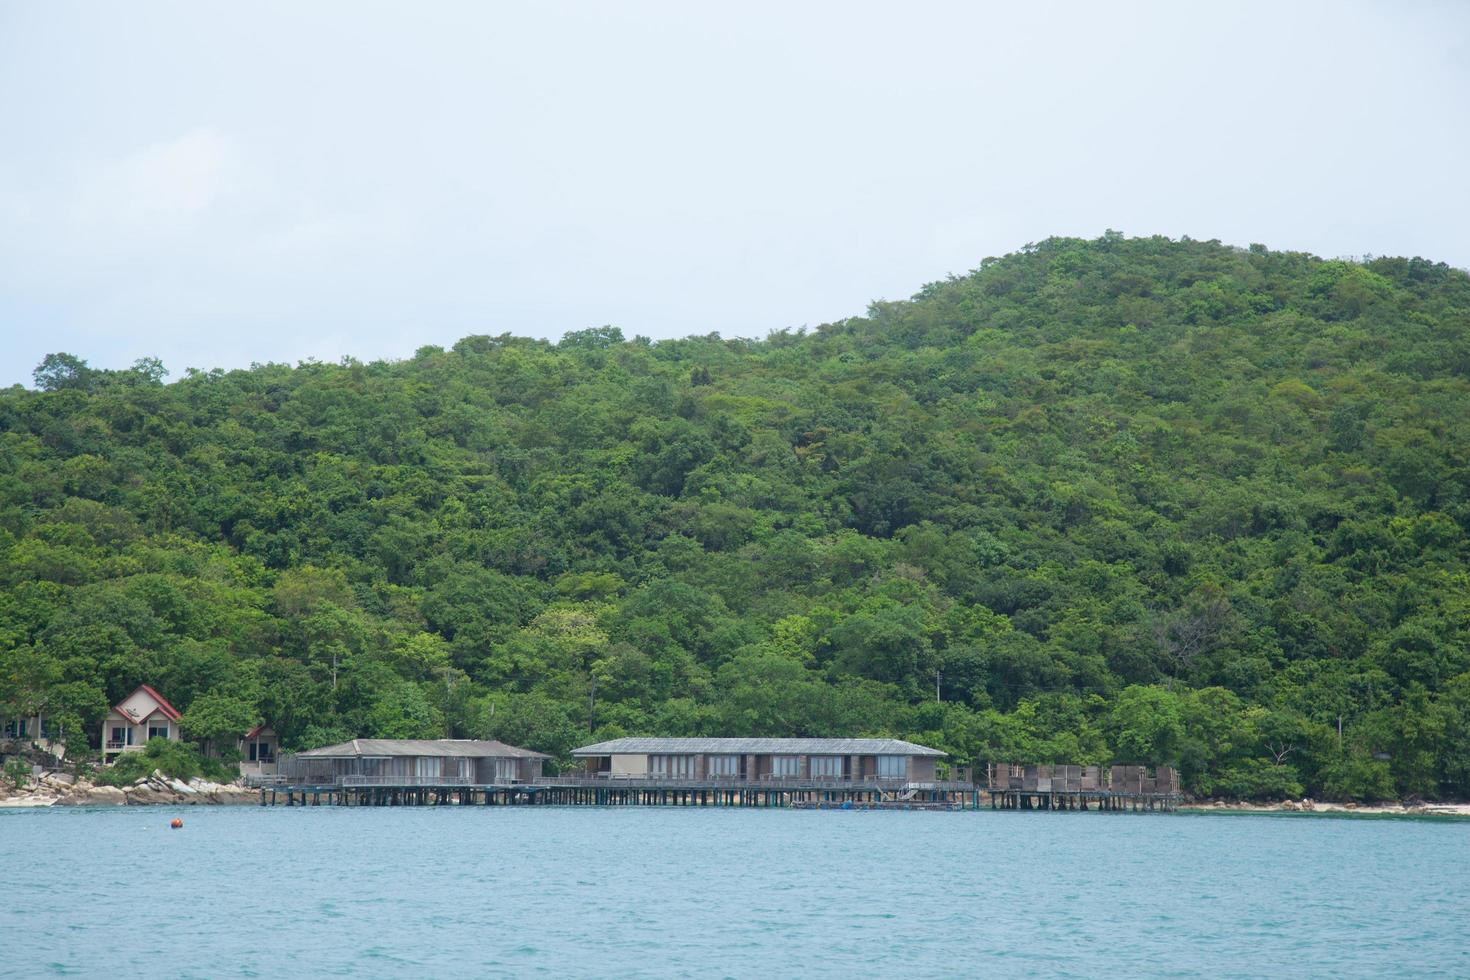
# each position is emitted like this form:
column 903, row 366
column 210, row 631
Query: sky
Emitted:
column 216, row 184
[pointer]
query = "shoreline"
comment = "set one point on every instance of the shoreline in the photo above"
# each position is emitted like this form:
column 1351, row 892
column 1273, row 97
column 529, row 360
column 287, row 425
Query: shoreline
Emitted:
column 155, row 790
column 1314, row 807
column 57, row 789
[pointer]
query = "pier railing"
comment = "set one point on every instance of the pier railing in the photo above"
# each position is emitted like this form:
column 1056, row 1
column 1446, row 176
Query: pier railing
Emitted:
column 760, row 782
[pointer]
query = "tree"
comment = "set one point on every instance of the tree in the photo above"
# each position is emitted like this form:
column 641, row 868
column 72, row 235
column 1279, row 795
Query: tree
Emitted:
column 59, row 372
column 216, row 720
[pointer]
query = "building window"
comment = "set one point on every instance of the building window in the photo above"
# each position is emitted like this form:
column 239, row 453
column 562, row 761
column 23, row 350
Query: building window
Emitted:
column 157, row 729
column 724, row 765
column 827, row 766
column 671, row 766
column 429, row 767
column 505, row 770
column 893, row 766
column 785, row 765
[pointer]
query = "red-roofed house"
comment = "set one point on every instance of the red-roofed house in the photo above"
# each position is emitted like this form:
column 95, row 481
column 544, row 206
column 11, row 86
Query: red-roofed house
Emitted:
column 142, row 715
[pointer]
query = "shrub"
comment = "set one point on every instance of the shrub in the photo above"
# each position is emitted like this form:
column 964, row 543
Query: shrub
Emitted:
column 18, row 773
column 171, row 758
column 1255, row 779
column 1358, row 778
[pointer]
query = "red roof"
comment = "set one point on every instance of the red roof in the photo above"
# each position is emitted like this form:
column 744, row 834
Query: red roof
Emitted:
column 169, row 711
column 256, row 731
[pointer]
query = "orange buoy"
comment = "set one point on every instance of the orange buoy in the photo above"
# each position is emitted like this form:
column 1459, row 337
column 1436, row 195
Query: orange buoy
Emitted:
column 176, row 823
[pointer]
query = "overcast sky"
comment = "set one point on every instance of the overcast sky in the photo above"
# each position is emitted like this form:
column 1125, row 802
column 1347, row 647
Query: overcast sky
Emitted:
column 221, row 183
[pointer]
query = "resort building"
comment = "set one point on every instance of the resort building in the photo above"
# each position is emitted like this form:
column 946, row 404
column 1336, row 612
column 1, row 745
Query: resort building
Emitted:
column 763, row 760
column 145, row 714
column 413, row 762
column 258, row 749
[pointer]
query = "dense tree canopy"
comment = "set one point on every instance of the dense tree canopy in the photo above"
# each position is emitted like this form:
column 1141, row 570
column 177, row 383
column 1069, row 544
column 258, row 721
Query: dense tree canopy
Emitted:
column 1113, row 500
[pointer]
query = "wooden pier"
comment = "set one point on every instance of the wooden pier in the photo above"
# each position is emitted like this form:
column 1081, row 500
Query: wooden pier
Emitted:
column 1002, row 787
column 591, row 791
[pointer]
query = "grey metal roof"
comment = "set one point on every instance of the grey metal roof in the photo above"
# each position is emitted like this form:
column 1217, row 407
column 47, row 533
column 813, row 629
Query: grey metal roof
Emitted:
column 757, row 746
column 382, row 748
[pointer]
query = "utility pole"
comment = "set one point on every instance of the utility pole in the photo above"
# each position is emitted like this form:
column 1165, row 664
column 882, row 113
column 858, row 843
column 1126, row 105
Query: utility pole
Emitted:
column 936, row 687
column 448, row 693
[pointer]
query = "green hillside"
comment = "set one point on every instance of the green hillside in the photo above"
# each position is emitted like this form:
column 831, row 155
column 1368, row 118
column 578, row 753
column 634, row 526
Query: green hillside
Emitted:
column 1114, row 500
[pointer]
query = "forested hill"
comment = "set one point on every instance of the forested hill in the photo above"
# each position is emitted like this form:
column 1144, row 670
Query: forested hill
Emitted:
column 1112, row 500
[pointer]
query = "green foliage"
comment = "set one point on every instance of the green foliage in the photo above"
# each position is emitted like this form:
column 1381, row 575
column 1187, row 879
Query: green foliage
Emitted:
column 174, row 759
column 18, row 774
column 1131, row 500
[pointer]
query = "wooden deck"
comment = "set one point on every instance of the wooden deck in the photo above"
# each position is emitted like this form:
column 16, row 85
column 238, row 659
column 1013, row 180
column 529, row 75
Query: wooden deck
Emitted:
column 805, row 794
column 553, row 791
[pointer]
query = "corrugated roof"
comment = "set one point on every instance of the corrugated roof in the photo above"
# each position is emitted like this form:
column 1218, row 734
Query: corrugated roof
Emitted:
column 168, row 710
column 163, row 705
column 757, row 746
column 382, row 748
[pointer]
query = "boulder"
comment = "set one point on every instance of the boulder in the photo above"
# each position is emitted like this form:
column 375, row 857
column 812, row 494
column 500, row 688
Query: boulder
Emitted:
column 28, row 801
column 86, row 794
column 148, row 793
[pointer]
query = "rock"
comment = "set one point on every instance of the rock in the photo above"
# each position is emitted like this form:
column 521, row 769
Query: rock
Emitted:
column 1290, row 805
column 148, row 793
column 1308, row 805
column 89, row 795
column 28, row 801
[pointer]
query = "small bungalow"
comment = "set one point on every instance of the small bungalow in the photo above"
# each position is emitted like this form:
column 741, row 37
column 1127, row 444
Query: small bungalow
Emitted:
column 19, row 728
column 258, row 751
column 145, row 714
column 884, row 760
column 413, row 762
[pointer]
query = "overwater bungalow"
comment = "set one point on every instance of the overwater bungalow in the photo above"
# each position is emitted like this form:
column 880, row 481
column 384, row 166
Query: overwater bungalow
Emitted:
column 412, row 762
column 763, row 760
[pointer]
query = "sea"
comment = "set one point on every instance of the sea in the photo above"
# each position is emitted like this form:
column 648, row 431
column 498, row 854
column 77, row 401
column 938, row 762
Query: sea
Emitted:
column 635, row 891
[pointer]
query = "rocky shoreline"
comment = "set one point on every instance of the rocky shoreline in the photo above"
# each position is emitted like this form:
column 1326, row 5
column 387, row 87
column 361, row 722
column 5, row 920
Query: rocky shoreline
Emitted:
column 1402, row 809
column 59, row 789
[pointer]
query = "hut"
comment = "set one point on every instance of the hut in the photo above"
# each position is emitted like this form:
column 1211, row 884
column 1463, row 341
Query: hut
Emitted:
column 413, row 762
column 258, row 748
column 763, row 760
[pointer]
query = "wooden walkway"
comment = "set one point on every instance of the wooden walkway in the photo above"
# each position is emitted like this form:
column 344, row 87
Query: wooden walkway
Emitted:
column 794, row 795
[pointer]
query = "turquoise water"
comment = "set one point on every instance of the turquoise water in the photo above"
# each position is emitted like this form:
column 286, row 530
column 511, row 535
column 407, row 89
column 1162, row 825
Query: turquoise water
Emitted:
column 743, row 893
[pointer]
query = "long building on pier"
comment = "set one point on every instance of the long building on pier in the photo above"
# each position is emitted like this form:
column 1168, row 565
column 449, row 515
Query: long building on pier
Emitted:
column 808, row 773
column 763, row 760
column 414, row 762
